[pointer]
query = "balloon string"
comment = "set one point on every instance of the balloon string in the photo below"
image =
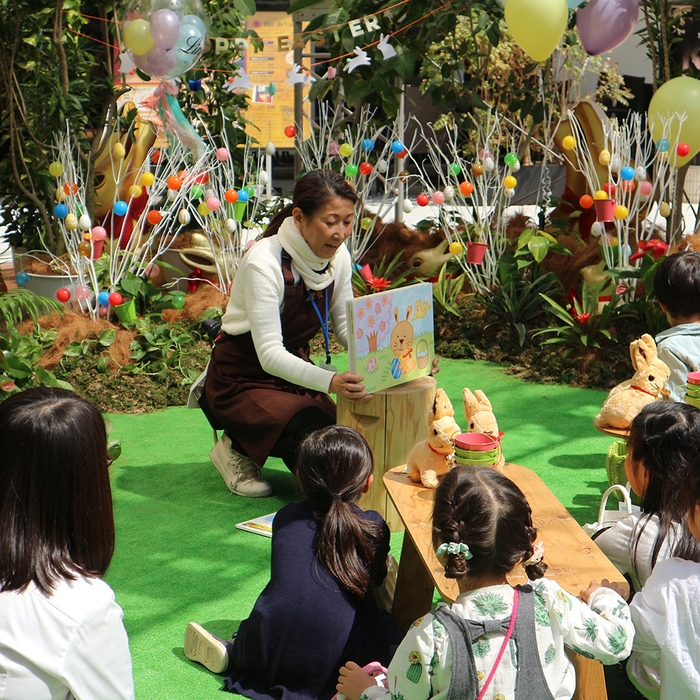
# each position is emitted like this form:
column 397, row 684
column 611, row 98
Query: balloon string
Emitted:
column 174, row 120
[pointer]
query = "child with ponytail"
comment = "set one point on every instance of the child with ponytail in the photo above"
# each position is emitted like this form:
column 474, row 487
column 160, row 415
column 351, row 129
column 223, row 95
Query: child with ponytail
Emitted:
column 318, row 610
column 496, row 640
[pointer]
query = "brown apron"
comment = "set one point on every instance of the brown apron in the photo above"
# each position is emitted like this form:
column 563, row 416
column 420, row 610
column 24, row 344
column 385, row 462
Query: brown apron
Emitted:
column 253, row 406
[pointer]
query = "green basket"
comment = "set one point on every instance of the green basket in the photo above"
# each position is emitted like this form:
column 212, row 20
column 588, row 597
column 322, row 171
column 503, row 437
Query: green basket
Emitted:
column 615, row 467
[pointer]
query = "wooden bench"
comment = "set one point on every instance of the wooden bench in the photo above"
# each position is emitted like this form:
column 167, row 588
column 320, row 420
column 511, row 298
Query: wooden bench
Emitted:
column 573, row 558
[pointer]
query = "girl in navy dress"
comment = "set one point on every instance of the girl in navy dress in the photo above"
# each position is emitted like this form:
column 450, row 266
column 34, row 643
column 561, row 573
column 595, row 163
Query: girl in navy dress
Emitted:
column 318, row 610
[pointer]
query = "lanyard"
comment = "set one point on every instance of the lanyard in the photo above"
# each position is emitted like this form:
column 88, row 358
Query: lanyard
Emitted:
column 324, row 324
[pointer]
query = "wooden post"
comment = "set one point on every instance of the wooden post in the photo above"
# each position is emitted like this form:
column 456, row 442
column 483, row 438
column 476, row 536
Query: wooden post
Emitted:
column 392, row 422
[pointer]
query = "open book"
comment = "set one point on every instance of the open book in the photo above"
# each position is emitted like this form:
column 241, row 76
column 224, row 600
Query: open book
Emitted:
column 260, row 526
column 390, row 336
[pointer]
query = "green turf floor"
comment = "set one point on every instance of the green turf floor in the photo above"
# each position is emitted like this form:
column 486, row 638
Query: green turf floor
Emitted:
column 179, row 557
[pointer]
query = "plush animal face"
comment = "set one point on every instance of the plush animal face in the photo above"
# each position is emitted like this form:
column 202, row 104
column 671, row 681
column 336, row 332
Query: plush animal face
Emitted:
column 650, row 373
column 478, row 413
column 401, row 334
column 441, row 434
column 442, row 406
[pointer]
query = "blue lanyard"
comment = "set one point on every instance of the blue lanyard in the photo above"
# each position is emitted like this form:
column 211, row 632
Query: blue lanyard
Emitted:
column 324, row 324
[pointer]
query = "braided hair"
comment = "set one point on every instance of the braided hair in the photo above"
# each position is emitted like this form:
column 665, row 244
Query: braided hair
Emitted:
column 482, row 508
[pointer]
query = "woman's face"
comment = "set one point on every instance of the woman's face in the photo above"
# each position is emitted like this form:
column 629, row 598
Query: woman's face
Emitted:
column 328, row 227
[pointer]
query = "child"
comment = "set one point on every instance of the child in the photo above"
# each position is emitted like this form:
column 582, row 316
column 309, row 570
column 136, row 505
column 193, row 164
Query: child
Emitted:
column 663, row 439
column 677, row 287
column 317, row 610
column 484, row 525
column 61, row 634
column 665, row 662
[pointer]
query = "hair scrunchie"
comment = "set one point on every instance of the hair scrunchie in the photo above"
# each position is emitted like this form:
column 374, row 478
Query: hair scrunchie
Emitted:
column 454, row 548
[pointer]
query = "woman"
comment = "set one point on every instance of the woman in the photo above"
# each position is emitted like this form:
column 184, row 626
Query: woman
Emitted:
column 61, row 632
column 261, row 385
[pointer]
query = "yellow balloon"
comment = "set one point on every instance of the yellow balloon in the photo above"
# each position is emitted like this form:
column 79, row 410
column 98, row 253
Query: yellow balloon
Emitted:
column 568, row 143
column 537, row 25
column 509, row 182
column 118, row 150
column 345, row 150
column 135, row 191
column 455, row 247
column 604, row 157
column 600, row 195
column 71, row 222
column 677, row 96
column 665, row 209
column 147, row 179
column 137, row 37
column 621, row 212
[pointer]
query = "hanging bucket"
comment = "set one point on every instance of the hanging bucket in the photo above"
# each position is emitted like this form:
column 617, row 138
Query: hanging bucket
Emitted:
column 126, row 312
column 605, row 210
column 476, row 252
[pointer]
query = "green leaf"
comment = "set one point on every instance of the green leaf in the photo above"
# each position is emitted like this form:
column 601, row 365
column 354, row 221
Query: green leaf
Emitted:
column 245, row 7
column 538, row 246
column 101, row 364
column 107, row 337
column 18, row 367
column 302, row 5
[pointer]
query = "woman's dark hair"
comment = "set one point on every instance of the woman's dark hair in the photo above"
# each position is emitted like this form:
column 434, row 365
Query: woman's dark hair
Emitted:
column 482, row 508
column 311, row 192
column 677, row 284
column 333, row 467
column 664, row 437
column 56, row 519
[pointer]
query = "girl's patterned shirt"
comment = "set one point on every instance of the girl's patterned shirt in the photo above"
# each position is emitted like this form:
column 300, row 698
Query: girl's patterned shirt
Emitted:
column 422, row 665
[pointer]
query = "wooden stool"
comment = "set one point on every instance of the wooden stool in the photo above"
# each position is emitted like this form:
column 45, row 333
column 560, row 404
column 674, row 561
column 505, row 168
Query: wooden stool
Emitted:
column 392, row 422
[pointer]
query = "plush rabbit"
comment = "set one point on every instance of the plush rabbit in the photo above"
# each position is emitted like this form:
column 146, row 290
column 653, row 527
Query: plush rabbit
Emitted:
column 432, row 458
column 481, row 419
column 627, row 399
column 442, row 407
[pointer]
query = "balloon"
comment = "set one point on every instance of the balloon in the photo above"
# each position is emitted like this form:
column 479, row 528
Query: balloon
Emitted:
column 645, row 188
column 422, row 200
column 586, row 201
column 63, row 295
column 351, row 170
column 407, row 206
column 605, row 24
column 366, row 167
column 60, row 211
column 55, row 169
column 682, row 149
column 82, row 292
column 147, row 179
column 466, row 188
column 222, row 154
column 509, row 182
column 568, row 143
column 22, row 278
column 115, row 299
column 449, row 193
column 510, row 159
column 679, row 95
column 183, row 216
column 178, row 301
column 537, row 25
column 165, row 28
column 242, row 196
column 397, row 147
column 120, row 208
column 103, row 298
column 621, row 212
column 71, row 222
column 456, row 168
column 154, row 217
column 160, row 62
column 439, row 197
column 365, row 223
column 627, row 173
column 367, row 144
column 98, row 233
column 165, row 38
column 231, row 196
column 137, row 37
column 345, row 150
column 477, row 170
column 212, row 203
column 174, row 182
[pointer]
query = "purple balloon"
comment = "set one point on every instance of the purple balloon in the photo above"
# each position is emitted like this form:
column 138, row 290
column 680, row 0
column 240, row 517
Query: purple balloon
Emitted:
column 160, row 62
column 165, row 28
column 605, row 24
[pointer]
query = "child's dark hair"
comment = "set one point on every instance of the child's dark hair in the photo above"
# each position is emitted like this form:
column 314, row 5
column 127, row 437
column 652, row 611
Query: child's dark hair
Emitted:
column 56, row 517
column 311, row 192
column 664, row 437
column 482, row 508
column 677, row 284
column 333, row 467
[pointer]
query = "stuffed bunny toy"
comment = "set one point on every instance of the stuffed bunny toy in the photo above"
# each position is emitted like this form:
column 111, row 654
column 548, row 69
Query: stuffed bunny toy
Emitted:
column 432, row 458
column 442, row 407
column 627, row 399
column 481, row 419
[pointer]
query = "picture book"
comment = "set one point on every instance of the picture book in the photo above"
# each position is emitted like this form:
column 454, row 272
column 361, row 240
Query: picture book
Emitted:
column 390, row 336
column 260, row 526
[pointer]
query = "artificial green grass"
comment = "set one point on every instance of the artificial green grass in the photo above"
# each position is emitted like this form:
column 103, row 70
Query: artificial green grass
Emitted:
column 179, row 557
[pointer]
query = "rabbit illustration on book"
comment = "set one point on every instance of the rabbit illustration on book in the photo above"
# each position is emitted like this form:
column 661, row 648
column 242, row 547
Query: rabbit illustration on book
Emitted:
column 401, row 343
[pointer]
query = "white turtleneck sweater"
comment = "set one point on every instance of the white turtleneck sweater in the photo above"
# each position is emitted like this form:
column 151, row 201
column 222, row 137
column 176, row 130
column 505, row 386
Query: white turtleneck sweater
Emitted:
column 256, row 299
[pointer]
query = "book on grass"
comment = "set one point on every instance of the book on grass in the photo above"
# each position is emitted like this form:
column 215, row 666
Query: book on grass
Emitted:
column 391, row 336
column 260, row 526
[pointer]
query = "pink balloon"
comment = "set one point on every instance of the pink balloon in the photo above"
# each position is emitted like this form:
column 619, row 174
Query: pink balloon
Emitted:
column 160, row 62
column 165, row 28
column 82, row 292
column 605, row 24
column 645, row 188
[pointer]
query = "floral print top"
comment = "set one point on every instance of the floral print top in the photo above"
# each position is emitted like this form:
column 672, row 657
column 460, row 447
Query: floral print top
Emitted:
column 422, row 665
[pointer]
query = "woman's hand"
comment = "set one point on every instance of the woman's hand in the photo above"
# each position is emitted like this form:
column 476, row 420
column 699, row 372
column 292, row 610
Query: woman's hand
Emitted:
column 349, row 386
column 434, row 369
column 353, row 681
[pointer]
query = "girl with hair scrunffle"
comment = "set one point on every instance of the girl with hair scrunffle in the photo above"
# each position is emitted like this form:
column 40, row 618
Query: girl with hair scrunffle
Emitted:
column 507, row 641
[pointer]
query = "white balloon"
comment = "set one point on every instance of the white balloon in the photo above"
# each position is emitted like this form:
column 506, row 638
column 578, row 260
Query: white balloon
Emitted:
column 640, row 173
column 615, row 163
column 172, row 195
column 84, row 222
column 515, row 168
column 270, row 148
column 230, row 225
column 508, row 192
column 449, row 193
column 382, row 165
column 184, row 217
column 208, row 194
column 407, row 206
column 264, row 178
column 489, row 164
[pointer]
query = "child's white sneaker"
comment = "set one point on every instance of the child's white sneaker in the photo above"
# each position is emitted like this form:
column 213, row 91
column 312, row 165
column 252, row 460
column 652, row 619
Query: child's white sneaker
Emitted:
column 205, row 648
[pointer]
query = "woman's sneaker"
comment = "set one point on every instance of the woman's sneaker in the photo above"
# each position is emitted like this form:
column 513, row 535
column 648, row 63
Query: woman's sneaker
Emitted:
column 241, row 473
column 205, row 648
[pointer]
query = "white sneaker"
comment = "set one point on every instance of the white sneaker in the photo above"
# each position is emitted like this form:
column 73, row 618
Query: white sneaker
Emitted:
column 205, row 648
column 241, row 473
